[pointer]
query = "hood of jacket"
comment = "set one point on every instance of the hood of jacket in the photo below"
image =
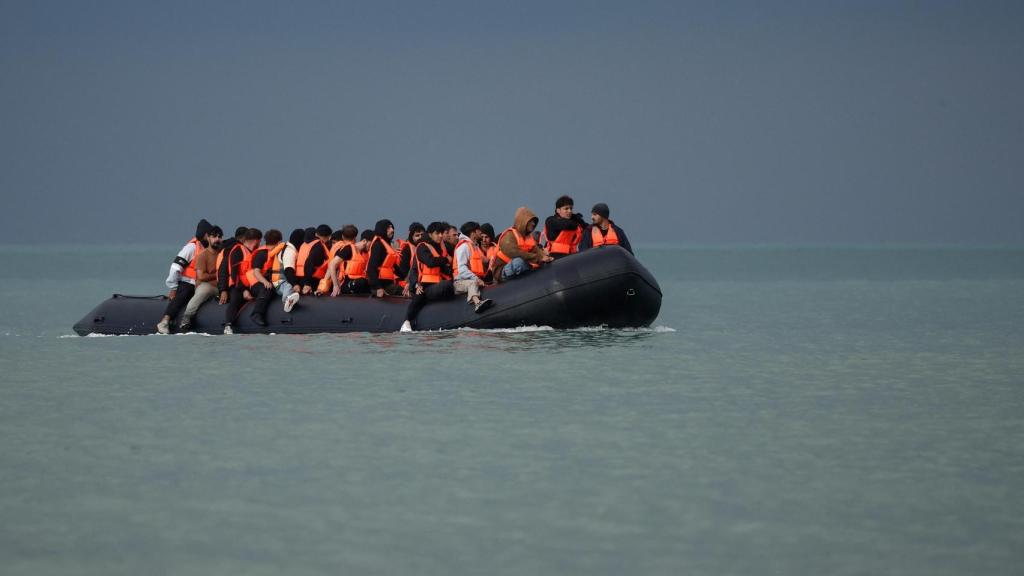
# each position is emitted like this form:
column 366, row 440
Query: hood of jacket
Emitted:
column 381, row 228
column 522, row 219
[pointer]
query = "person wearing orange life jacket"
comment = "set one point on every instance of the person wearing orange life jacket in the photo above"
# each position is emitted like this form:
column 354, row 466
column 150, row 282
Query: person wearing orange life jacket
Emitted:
column 518, row 252
column 427, row 282
column 489, row 247
column 353, row 259
column 181, row 279
column 239, row 293
column 563, row 230
column 260, row 270
column 338, row 242
column 469, row 269
column 289, row 287
column 222, row 263
column 603, row 231
column 206, row 278
column 311, row 262
column 382, row 268
column 405, row 254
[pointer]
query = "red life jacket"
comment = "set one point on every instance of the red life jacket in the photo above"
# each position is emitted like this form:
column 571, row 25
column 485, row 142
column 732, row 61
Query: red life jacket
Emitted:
column 476, row 259
column 609, row 237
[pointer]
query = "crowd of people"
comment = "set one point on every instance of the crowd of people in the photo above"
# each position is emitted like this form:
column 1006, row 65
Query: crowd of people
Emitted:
column 434, row 262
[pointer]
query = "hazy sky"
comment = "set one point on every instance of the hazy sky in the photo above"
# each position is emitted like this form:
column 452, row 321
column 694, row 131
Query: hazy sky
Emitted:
column 819, row 121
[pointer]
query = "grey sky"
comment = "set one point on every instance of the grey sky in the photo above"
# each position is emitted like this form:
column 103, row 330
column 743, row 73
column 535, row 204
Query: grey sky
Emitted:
column 696, row 122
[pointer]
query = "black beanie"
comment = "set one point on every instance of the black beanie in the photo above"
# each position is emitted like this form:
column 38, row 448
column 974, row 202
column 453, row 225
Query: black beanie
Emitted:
column 203, row 228
column 488, row 229
column 601, row 209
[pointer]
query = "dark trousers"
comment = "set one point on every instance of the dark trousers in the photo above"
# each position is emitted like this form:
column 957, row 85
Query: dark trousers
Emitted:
column 261, row 299
column 235, row 302
column 441, row 291
column 183, row 294
column 357, row 286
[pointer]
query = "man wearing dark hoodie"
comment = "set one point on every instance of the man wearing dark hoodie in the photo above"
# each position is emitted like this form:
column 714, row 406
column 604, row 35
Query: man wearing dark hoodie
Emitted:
column 564, row 229
column 518, row 252
column 382, row 270
column 181, row 280
column 603, row 231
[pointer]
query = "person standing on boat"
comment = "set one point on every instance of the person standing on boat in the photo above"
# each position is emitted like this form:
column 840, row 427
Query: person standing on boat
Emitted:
column 181, row 279
column 428, row 283
column 518, row 252
column 563, row 230
column 603, row 231
column 382, row 268
column 469, row 267
column 206, row 278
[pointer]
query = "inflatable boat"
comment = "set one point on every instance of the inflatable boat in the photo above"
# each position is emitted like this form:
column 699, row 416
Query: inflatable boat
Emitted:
column 604, row 286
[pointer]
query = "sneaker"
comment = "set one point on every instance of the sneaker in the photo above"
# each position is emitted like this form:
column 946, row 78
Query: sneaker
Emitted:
column 483, row 305
column 259, row 319
column 185, row 326
column 291, row 301
column 406, row 327
column 164, row 327
column 228, row 330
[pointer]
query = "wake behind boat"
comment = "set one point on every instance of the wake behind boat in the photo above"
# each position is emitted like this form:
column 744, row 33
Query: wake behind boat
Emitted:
column 601, row 286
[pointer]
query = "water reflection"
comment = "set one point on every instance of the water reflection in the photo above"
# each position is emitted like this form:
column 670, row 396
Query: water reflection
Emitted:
column 522, row 340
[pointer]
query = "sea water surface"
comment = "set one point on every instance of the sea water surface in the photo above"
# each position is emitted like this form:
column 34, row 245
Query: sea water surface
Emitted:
column 794, row 410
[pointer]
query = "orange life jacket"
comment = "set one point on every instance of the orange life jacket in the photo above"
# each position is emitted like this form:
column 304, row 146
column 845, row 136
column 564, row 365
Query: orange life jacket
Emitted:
column 491, row 253
column 300, row 260
column 566, row 242
column 190, row 270
column 600, row 239
column 355, row 267
column 476, row 259
column 412, row 258
column 387, row 268
column 271, row 269
column 233, row 278
column 526, row 244
column 324, row 285
column 429, row 274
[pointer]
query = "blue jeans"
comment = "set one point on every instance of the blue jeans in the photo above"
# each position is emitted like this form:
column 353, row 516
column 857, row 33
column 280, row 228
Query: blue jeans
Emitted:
column 284, row 289
column 514, row 268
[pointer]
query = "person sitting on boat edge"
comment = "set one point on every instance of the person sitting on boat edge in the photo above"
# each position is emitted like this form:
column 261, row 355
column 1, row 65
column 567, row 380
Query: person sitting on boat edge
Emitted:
column 428, row 282
column 258, row 273
column 406, row 249
column 381, row 270
column 469, row 267
column 289, row 287
column 564, row 229
column 206, row 278
column 311, row 262
column 489, row 248
column 338, row 241
column 518, row 252
column 603, row 231
column 181, row 279
column 239, row 294
column 222, row 262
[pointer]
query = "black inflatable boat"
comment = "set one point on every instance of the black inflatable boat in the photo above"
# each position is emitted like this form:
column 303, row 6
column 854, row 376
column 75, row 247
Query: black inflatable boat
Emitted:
column 603, row 286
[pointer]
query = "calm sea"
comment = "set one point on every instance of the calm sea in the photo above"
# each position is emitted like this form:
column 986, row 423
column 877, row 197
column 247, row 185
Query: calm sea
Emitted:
column 819, row 410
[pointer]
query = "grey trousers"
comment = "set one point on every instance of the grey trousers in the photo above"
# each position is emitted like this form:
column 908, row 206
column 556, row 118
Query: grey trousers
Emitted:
column 204, row 292
column 467, row 287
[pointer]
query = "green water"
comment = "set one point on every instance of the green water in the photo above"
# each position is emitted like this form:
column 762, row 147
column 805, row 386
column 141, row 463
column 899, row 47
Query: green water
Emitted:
column 832, row 410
